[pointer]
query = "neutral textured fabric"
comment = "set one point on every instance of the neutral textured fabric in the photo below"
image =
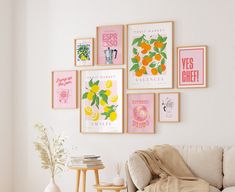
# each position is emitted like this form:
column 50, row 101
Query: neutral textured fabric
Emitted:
column 211, row 189
column 139, row 172
column 229, row 189
column 204, row 162
column 130, row 185
column 229, row 167
column 170, row 171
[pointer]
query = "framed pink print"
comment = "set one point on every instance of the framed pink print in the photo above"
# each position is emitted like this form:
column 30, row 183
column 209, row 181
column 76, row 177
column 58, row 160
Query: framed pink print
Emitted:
column 191, row 66
column 169, row 107
column 141, row 113
column 110, row 45
column 64, row 89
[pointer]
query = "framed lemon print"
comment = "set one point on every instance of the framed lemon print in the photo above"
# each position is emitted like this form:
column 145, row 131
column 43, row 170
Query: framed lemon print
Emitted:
column 150, row 55
column 101, row 101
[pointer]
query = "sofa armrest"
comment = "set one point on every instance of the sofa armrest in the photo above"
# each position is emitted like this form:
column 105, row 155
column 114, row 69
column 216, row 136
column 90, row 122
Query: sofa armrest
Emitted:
column 130, row 185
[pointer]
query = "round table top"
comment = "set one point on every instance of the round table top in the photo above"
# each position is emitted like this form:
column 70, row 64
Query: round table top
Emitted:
column 86, row 168
column 109, row 187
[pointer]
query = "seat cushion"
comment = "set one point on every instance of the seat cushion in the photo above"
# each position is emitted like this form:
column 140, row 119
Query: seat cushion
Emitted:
column 229, row 189
column 139, row 172
column 229, row 167
column 205, row 162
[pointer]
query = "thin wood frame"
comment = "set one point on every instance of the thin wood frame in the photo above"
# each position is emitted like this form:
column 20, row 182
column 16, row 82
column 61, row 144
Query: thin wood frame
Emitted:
column 97, row 45
column 154, row 113
column 178, row 111
column 205, row 66
column 127, row 54
column 52, row 89
column 92, row 51
column 122, row 105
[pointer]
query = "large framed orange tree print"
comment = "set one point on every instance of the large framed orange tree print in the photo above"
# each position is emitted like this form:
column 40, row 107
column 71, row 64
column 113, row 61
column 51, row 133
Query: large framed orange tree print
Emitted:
column 150, row 55
column 101, row 101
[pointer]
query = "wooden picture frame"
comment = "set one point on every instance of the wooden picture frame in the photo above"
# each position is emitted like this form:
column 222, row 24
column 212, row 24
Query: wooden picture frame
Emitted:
column 83, row 52
column 64, row 89
column 110, row 83
column 192, row 66
column 143, row 122
column 111, row 51
column 168, row 106
column 155, row 73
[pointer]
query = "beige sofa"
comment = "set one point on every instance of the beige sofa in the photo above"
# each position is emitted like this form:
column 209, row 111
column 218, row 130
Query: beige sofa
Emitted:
column 216, row 165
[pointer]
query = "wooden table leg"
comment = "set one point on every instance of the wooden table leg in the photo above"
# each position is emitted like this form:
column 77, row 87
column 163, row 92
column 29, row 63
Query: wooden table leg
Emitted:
column 97, row 180
column 78, row 180
column 84, row 181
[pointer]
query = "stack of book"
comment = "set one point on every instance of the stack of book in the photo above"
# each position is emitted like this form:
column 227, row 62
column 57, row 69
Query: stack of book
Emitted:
column 86, row 161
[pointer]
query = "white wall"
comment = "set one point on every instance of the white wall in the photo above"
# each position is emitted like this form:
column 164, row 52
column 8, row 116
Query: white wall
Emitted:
column 44, row 36
column 6, row 95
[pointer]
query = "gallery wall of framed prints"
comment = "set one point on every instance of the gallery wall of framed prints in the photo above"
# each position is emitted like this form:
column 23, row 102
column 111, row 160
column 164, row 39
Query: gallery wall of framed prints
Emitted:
column 124, row 78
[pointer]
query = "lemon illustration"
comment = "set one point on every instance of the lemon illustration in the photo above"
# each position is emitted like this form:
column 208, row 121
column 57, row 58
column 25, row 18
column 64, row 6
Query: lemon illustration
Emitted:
column 108, row 92
column 88, row 110
column 96, row 116
column 106, row 108
column 95, row 88
column 113, row 116
column 90, row 96
column 114, row 99
column 102, row 102
column 109, row 84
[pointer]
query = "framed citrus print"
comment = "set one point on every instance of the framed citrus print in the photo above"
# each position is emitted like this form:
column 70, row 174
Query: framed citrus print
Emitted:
column 191, row 66
column 150, row 55
column 110, row 45
column 83, row 52
column 169, row 107
column 64, row 89
column 101, row 101
column 141, row 113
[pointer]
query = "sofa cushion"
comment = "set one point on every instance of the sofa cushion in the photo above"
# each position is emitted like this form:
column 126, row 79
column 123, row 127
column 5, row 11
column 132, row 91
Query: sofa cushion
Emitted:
column 205, row 162
column 229, row 167
column 229, row 189
column 140, row 174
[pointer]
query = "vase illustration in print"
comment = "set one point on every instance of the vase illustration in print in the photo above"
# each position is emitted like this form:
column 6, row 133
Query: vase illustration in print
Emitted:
column 141, row 113
column 102, row 101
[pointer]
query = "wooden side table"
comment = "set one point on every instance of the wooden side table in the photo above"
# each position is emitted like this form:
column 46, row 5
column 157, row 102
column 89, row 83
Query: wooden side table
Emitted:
column 84, row 170
column 112, row 187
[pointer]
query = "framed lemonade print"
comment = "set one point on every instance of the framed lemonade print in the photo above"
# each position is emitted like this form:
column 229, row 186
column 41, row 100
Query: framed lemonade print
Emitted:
column 110, row 45
column 83, row 52
column 64, row 89
column 191, row 66
column 141, row 113
column 150, row 55
column 101, row 101
column 169, row 107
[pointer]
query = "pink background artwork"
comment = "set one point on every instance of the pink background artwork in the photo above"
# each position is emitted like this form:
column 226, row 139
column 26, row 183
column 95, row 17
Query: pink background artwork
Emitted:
column 191, row 67
column 141, row 113
column 110, row 37
column 64, row 89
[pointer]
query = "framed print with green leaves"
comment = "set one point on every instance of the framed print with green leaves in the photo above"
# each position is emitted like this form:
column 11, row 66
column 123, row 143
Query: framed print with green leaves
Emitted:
column 101, row 101
column 150, row 55
column 83, row 52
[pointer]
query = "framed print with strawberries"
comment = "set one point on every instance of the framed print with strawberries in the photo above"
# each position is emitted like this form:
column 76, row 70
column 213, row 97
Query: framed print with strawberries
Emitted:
column 140, row 113
column 169, row 107
column 150, row 55
column 191, row 66
column 110, row 45
column 101, row 101
column 83, row 52
column 64, row 89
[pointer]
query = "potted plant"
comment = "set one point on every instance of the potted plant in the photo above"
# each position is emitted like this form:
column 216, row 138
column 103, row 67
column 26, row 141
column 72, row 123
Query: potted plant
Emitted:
column 53, row 155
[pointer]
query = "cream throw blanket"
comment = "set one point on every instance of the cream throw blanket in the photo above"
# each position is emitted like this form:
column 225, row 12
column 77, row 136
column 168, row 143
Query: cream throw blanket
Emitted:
column 170, row 172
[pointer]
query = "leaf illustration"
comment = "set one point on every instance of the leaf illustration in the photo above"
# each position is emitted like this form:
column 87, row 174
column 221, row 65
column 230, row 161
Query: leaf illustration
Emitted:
column 97, row 82
column 156, row 49
column 164, row 39
column 153, row 64
column 163, row 61
column 164, row 55
column 135, row 51
column 135, row 41
column 160, row 39
column 104, row 97
column 134, row 67
column 152, row 41
column 163, row 47
column 134, row 60
column 97, row 102
column 91, row 83
column 93, row 99
column 84, row 96
column 152, row 54
column 159, row 69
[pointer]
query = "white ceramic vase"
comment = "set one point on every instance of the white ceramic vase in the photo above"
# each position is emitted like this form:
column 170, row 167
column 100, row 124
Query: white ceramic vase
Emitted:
column 52, row 187
column 118, row 181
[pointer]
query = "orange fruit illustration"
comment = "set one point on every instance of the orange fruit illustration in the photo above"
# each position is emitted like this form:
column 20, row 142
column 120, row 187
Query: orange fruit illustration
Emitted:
column 163, row 67
column 146, row 61
column 158, row 57
column 144, row 51
column 139, row 73
column 137, row 57
column 143, row 69
column 154, row 71
column 158, row 44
